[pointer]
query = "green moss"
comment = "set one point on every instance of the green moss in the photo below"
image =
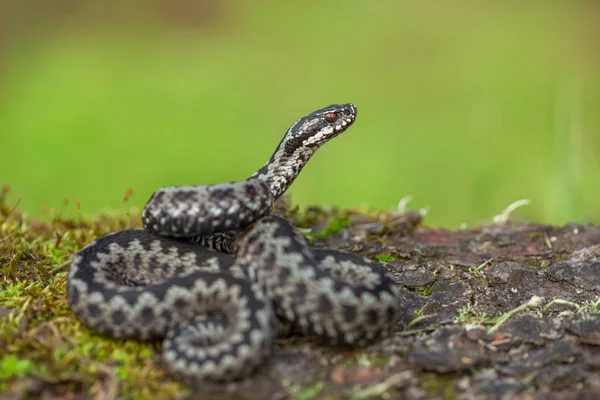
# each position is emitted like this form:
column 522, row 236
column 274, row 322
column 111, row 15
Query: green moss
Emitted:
column 39, row 336
column 308, row 392
column 384, row 258
column 379, row 360
column 438, row 385
column 422, row 290
column 478, row 271
column 425, row 290
column 12, row 366
column 418, row 312
column 474, row 315
column 349, row 362
column 335, row 224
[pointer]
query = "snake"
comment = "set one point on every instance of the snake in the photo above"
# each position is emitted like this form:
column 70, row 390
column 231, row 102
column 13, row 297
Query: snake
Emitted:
column 217, row 278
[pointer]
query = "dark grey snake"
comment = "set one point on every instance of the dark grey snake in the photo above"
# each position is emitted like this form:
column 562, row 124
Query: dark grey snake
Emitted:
column 219, row 313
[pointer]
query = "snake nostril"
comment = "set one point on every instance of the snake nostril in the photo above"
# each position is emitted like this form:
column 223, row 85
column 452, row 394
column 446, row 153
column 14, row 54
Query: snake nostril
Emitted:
column 352, row 110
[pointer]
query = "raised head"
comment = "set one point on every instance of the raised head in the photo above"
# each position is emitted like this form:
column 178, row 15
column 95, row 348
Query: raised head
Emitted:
column 301, row 141
column 318, row 127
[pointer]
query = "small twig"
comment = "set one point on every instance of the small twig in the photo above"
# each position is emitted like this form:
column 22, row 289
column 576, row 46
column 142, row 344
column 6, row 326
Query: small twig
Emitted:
column 419, row 319
column 535, row 301
column 6, row 237
column 487, row 345
column 61, row 266
column 477, row 270
column 17, row 318
column 403, row 202
column 305, row 231
column 547, row 240
column 562, row 302
column 380, row 388
column 425, row 329
column 14, row 208
column 503, row 217
column 596, row 302
column 33, row 333
column 587, row 306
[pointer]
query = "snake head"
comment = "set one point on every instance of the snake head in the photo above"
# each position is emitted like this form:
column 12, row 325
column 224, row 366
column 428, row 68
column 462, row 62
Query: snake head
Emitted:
column 300, row 142
column 315, row 129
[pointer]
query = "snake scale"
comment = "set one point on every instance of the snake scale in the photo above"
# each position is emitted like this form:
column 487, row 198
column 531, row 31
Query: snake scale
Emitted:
column 217, row 278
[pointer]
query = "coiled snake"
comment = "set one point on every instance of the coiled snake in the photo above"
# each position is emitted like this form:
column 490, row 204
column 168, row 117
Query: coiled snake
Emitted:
column 214, row 275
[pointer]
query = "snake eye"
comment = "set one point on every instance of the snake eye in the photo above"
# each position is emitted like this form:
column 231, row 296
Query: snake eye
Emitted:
column 331, row 117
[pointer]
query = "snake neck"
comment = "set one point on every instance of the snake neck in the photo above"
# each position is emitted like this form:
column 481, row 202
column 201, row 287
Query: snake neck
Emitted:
column 282, row 169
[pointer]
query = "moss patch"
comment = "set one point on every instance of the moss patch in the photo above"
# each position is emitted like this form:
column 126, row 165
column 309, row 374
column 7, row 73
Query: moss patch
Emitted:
column 384, row 258
column 335, row 224
column 425, row 290
column 39, row 336
column 308, row 392
column 438, row 385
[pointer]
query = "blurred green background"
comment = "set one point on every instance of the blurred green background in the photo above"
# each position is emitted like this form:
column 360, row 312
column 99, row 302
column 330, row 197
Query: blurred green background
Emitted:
column 465, row 105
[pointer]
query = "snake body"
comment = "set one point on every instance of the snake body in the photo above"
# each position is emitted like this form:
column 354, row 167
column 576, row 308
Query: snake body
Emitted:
column 216, row 277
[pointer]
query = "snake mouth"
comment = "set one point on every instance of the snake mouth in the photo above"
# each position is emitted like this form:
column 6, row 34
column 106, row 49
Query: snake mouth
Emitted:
column 353, row 110
column 345, row 122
